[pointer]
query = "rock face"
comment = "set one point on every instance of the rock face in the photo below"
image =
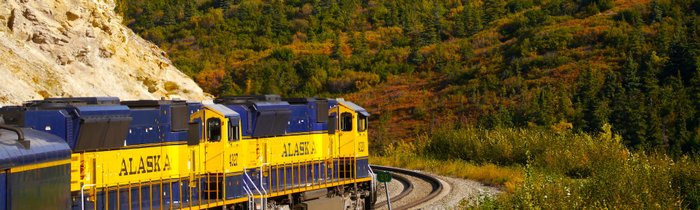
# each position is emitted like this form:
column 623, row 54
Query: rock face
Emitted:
column 77, row 48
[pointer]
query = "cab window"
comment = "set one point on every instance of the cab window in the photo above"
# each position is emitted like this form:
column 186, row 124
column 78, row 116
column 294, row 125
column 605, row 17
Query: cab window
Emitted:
column 362, row 123
column 232, row 131
column 214, row 129
column 346, row 121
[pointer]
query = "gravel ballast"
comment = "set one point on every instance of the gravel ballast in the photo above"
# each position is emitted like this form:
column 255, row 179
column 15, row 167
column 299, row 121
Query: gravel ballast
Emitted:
column 454, row 191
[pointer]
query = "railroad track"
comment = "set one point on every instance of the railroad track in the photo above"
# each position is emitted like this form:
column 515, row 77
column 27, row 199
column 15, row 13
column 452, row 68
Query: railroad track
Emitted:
column 400, row 175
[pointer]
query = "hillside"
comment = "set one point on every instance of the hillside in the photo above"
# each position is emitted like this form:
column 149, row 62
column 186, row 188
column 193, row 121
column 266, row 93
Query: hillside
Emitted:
column 418, row 65
column 78, row 48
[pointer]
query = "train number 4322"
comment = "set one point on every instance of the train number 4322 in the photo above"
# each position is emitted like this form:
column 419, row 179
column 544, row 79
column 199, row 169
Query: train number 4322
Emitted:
column 233, row 159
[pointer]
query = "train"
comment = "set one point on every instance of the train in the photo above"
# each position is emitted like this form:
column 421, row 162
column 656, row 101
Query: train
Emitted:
column 235, row 152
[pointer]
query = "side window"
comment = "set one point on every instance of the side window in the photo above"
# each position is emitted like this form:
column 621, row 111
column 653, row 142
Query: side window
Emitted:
column 232, row 131
column 214, row 129
column 346, row 121
column 362, row 123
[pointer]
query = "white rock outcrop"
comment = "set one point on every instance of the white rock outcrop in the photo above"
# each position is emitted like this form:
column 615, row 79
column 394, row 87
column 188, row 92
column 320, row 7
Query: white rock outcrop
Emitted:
column 78, row 48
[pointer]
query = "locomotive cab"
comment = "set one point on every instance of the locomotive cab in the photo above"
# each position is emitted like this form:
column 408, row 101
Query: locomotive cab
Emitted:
column 214, row 139
column 348, row 129
column 349, row 125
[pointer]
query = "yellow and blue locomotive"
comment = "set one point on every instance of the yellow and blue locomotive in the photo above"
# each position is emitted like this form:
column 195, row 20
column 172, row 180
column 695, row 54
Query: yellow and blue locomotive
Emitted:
column 243, row 152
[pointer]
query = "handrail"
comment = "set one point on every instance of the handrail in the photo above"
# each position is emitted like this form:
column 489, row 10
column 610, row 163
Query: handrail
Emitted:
column 20, row 135
column 179, row 189
column 245, row 172
column 129, row 196
column 346, row 167
column 82, row 195
column 105, row 190
column 248, row 193
column 373, row 181
column 264, row 198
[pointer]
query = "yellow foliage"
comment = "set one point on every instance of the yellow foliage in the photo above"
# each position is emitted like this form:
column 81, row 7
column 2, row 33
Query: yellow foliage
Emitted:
column 562, row 126
column 308, row 48
column 504, row 177
column 210, row 80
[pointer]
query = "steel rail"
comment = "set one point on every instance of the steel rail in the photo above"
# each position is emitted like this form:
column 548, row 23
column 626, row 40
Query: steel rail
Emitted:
column 434, row 182
column 407, row 189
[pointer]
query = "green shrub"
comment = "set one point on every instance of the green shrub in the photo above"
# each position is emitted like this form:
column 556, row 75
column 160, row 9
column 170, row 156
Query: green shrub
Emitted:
column 686, row 177
column 633, row 17
column 565, row 170
column 282, row 54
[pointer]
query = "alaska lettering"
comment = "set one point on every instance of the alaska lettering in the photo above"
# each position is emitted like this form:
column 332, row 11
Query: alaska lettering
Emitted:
column 149, row 164
column 298, row 149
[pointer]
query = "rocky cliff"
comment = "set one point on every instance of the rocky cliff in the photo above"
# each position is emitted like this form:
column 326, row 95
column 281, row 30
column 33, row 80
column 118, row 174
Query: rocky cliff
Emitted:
column 74, row 48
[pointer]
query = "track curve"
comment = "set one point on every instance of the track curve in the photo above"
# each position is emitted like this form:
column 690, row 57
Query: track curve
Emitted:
column 408, row 187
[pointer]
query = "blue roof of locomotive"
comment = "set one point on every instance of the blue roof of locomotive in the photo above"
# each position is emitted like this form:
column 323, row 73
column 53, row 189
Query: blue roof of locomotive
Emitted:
column 223, row 110
column 355, row 107
column 44, row 147
column 268, row 105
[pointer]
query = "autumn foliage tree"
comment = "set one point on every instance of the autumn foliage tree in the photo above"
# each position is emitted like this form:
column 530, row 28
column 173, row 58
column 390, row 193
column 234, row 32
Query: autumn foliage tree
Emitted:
column 515, row 63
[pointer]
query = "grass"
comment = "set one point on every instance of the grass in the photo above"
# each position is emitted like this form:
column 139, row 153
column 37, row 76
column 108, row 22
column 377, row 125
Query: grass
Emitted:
column 542, row 168
column 507, row 177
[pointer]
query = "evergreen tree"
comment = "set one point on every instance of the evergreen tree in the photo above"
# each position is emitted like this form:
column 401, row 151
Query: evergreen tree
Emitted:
column 416, row 57
column 359, row 44
column 587, row 98
column 224, row 4
column 633, row 124
column 468, row 22
column 466, row 51
column 228, row 87
column 437, row 27
column 190, row 9
column 656, row 13
column 168, row 16
column 336, row 52
column 695, row 98
column 682, row 61
column 651, row 88
column 651, row 97
column 280, row 21
column 494, row 9
column 544, row 107
column 679, row 112
column 394, row 18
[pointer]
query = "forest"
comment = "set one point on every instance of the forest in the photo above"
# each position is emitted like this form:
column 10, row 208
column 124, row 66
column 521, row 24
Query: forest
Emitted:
column 582, row 67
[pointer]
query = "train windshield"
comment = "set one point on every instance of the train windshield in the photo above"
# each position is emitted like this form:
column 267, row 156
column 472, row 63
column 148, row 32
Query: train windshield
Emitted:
column 346, row 121
column 214, row 129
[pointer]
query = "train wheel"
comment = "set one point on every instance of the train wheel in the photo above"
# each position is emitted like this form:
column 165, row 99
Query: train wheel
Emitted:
column 369, row 200
column 368, row 203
